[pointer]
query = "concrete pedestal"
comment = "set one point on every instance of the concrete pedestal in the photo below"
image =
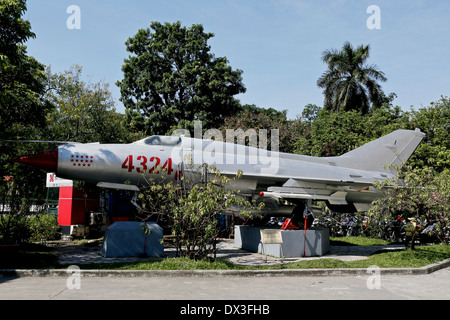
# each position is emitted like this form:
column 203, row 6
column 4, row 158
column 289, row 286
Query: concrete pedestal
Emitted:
column 294, row 243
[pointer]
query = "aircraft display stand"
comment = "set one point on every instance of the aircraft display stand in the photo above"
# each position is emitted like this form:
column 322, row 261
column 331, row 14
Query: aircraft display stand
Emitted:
column 287, row 244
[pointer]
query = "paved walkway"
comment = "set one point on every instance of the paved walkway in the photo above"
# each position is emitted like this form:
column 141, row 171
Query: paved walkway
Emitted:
column 73, row 254
column 182, row 289
column 242, row 287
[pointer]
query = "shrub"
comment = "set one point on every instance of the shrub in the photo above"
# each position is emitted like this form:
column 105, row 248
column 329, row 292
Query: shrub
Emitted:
column 43, row 227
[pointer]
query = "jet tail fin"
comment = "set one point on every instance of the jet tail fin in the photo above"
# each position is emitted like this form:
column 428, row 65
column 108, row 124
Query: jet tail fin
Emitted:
column 394, row 148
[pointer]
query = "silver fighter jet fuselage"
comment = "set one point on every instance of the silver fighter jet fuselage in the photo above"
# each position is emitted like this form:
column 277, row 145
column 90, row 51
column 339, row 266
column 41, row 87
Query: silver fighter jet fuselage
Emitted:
column 340, row 181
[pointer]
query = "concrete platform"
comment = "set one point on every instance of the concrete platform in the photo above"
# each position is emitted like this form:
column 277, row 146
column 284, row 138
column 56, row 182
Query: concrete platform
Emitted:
column 288, row 244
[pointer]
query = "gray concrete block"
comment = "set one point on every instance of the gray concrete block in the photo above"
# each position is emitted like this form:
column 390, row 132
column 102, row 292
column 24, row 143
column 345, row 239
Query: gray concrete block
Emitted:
column 316, row 242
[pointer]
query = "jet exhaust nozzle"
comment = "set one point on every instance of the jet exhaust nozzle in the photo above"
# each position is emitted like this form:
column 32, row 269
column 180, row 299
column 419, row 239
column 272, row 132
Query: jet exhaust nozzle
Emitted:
column 47, row 160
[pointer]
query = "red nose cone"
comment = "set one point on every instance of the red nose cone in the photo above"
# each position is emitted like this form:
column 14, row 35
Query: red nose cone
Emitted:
column 46, row 160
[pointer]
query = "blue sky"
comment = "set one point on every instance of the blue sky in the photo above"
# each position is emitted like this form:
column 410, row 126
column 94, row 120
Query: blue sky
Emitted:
column 278, row 44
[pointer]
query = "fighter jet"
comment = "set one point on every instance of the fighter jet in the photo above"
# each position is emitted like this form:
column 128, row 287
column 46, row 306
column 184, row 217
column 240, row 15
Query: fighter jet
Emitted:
column 345, row 183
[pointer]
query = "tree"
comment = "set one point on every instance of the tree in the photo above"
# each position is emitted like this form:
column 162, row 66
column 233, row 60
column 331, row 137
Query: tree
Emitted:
column 22, row 116
column 333, row 134
column 85, row 112
column 22, row 77
column 172, row 79
column 418, row 193
column 190, row 208
column 252, row 117
column 349, row 83
column 434, row 121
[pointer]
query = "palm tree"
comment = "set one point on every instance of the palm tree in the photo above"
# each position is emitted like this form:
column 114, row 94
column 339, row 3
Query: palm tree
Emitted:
column 349, row 83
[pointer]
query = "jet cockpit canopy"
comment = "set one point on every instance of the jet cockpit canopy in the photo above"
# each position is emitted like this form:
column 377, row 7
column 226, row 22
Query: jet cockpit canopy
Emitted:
column 160, row 140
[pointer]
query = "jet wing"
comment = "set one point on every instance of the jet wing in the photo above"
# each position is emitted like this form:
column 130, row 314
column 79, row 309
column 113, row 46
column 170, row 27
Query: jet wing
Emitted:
column 336, row 192
column 119, row 186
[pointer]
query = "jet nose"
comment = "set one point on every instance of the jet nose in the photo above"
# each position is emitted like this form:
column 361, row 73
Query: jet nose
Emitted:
column 47, row 160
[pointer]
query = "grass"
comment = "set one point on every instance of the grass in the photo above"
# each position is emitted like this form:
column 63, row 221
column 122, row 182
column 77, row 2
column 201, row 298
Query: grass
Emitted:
column 167, row 264
column 38, row 256
column 357, row 241
column 422, row 256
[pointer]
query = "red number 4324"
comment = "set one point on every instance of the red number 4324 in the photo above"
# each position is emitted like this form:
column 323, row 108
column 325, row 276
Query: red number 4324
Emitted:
column 144, row 164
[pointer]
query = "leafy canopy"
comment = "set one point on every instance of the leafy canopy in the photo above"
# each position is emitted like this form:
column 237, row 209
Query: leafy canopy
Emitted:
column 190, row 207
column 22, row 116
column 21, row 76
column 84, row 112
column 172, row 79
column 349, row 83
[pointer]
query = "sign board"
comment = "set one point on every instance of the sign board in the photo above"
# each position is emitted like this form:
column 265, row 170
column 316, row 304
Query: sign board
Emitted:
column 270, row 236
column 54, row 182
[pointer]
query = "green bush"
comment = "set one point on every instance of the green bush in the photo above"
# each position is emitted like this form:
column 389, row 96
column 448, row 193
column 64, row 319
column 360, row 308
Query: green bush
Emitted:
column 13, row 229
column 43, row 227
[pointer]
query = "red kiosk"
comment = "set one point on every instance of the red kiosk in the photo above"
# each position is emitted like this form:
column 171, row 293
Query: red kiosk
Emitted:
column 87, row 211
column 74, row 205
